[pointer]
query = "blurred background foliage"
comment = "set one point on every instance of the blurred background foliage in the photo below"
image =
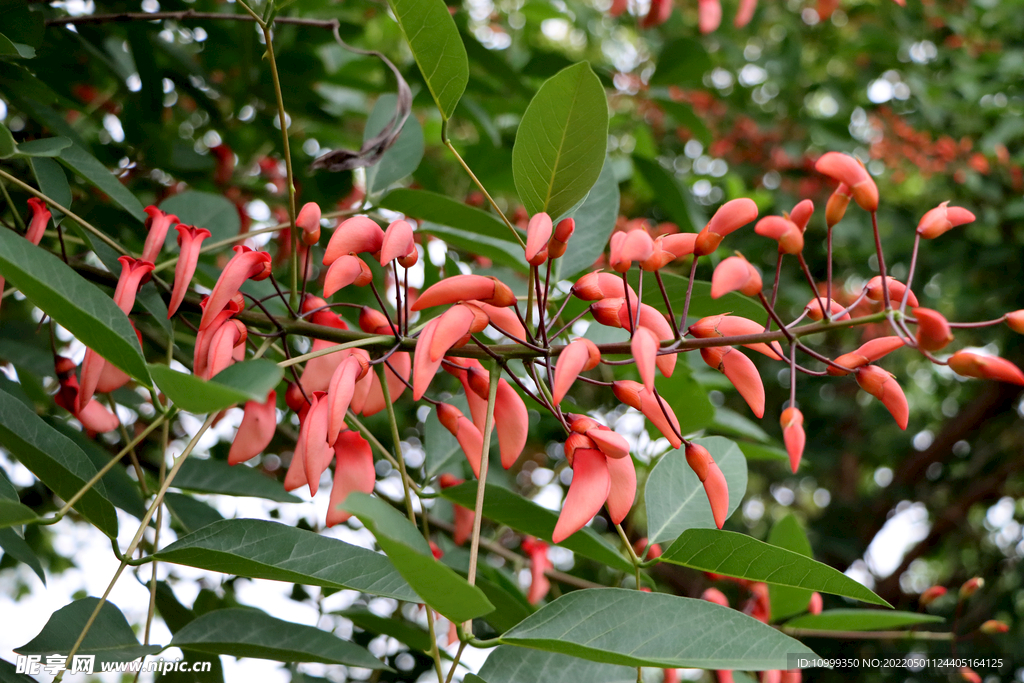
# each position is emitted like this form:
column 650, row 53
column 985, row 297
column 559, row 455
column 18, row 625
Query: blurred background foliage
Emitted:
column 928, row 95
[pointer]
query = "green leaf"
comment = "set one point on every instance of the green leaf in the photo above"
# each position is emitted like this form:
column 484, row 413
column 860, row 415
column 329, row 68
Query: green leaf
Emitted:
column 53, row 182
column 116, row 486
column 56, row 460
column 668, row 194
column 73, row 302
column 252, row 633
column 149, row 300
column 437, row 585
column 509, row 664
column 260, row 549
column 595, row 220
column 403, row 157
column 9, row 48
column 633, row 628
column 498, row 250
column 44, row 147
column 437, row 48
column 176, row 616
column 437, row 208
column 241, row 382
column 13, row 513
column 110, row 637
column 89, row 168
column 676, row 500
column 701, row 303
column 192, row 514
column 740, row 556
column 785, row 602
column 15, row 547
column 756, row 451
column 730, row 422
column 861, row 620
column 682, row 62
column 402, row 631
column 683, row 114
column 510, row 605
column 214, row 212
column 216, row 476
column 561, row 142
column 505, row 507
column 8, row 147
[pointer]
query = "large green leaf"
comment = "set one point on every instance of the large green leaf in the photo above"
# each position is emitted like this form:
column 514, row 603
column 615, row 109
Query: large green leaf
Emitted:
column 561, row 142
column 267, row 550
column 252, row 633
column 56, row 460
column 214, row 212
column 73, row 302
column 206, row 475
column 89, row 168
column 508, row 664
column 634, row 628
column 437, row 208
column 861, row 620
column 505, row 507
column 732, row 554
column 437, row 585
column 667, row 193
column 110, row 637
column 595, row 220
column 403, row 156
column 241, row 382
column 785, row 602
column 701, row 303
column 675, row 497
column 437, row 47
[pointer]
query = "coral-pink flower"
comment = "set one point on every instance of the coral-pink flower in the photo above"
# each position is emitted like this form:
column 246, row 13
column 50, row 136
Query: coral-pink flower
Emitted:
column 190, row 241
column 157, row 225
column 259, row 421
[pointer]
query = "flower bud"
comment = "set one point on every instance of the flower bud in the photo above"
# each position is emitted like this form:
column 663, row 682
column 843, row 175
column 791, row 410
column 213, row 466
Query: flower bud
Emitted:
column 971, row 586
column 933, row 331
column 835, row 209
column 993, row 627
column 1015, row 321
column 309, row 221
column 931, row 595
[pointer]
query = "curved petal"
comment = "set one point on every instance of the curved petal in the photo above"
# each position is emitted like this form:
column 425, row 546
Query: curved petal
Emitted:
column 96, row 418
column 191, row 241
column 111, row 378
column 259, row 422
column 317, row 456
column 344, row 271
column 644, row 346
column 339, row 395
column 452, row 326
column 424, row 369
column 464, row 431
column 743, row 374
column 538, row 233
column 356, row 235
column 458, row 288
column 623, row 487
column 611, row 443
column 588, row 491
column 353, row 471
column 511, row 421
column 578, row 356
column 242, row 266
column 92, row 369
